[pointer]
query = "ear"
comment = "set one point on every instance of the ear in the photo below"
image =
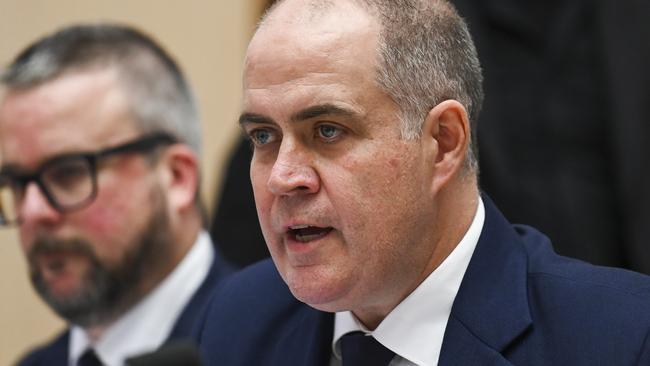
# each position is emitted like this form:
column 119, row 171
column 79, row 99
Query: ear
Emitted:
column 446, row 135
column 180, row 170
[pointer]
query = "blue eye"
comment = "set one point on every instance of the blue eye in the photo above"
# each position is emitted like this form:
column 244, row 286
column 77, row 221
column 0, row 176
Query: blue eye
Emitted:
column 328, row 132
column 261, row 136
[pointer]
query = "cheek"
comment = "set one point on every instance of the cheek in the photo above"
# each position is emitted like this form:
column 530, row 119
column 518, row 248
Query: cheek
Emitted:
column 103, row 221
column 114, row 219
column 376, row 194
column 370, row 182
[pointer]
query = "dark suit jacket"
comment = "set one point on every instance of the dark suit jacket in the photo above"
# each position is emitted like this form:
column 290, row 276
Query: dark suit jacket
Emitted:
column 55, row 353
column 519, row 304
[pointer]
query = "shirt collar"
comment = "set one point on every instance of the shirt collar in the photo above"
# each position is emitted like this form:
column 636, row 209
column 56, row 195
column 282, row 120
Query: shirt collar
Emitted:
column 415, row 328
column 147, row 325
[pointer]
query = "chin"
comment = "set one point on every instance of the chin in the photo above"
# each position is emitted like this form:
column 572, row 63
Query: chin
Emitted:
column 319, row 290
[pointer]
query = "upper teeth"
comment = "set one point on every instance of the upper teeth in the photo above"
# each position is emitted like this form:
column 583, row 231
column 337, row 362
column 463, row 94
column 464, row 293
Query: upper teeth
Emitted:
column 298, row 227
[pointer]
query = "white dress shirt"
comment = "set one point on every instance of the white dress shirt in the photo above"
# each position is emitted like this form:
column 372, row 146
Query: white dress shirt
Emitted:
column 415, row 328
column 146, row 326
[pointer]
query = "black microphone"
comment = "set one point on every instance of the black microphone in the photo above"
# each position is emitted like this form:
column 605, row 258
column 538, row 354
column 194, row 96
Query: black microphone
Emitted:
column 170, row 354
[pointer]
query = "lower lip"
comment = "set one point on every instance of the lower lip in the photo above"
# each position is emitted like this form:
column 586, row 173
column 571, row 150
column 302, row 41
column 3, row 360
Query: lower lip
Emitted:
column 60, row 271
column 296, row 246
column 60, row 283
column 52, row 263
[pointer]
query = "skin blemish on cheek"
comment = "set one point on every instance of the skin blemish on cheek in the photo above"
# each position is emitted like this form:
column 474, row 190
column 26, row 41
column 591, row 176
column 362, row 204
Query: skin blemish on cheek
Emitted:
column 98, row 221
column 394, row 162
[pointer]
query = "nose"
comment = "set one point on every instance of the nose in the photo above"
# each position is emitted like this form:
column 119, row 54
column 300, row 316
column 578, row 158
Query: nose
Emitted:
column 34, row 208
column 293, row 171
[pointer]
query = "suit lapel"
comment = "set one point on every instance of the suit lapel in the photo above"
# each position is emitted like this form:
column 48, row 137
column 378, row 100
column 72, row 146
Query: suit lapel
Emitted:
column 491, row 309
column 60, row 350
column 462, row 348
column 186, row 325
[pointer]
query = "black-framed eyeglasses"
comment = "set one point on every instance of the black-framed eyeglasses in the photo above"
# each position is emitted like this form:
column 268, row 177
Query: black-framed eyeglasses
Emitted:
column 68, row 181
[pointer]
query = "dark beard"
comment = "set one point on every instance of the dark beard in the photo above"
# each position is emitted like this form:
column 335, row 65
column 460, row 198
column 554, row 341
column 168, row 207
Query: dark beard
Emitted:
column 106, row 292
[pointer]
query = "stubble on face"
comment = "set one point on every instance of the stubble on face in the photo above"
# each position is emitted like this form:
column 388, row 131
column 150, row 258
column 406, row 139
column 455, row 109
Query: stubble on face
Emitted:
column 103, row 290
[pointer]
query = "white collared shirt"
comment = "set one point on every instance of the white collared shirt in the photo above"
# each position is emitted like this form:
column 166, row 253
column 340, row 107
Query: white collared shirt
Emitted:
column 146, row 326
column 415, row 328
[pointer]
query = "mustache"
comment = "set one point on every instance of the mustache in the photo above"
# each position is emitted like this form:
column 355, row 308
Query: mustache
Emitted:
column 46, row 245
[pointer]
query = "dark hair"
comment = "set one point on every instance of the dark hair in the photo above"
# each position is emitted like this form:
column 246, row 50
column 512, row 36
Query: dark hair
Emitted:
column 160, row 98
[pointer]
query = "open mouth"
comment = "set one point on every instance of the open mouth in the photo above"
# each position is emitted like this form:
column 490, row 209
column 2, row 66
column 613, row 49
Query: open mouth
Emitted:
column 50, row 262
column 307, row 233
column 55, row 265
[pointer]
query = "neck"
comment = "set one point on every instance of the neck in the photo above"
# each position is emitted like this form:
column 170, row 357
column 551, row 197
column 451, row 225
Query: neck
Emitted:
column 455, row 208
column 455, row 212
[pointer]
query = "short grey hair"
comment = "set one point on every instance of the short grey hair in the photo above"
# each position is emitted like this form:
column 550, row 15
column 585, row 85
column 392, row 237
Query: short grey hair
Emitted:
column 159, row 96
column 426, row 56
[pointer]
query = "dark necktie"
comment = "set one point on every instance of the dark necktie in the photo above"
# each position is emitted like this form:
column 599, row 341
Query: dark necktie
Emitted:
column 89, row 358
column 357, row 349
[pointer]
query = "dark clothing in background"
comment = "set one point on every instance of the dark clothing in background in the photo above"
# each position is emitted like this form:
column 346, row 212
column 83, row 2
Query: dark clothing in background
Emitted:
column 235, row 225
column 564, row 135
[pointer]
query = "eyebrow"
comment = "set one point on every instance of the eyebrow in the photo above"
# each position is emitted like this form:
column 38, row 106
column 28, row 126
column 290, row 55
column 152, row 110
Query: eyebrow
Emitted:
column 246, row 118
column 321, row 110
column 303, row 115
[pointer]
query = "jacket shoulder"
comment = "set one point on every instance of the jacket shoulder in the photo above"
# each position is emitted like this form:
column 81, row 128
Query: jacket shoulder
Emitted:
column 547, row 268
column 53, row 353
column 577, row 306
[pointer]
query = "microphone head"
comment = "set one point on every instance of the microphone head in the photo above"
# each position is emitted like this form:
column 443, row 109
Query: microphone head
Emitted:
column 170, row 354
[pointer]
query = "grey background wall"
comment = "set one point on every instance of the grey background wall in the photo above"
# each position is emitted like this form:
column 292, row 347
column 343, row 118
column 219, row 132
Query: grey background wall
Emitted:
column 208, row 39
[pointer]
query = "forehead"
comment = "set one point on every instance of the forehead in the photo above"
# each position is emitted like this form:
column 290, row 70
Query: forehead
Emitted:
column 298, row 49
column 75, row 111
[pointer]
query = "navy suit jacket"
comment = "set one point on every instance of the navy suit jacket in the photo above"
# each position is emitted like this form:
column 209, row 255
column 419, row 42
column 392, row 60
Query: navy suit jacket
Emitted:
column 55, row 353
column 519, row 304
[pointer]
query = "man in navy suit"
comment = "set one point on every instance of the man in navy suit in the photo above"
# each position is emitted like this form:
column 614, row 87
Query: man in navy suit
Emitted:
column 100, row 145
column 361, row 113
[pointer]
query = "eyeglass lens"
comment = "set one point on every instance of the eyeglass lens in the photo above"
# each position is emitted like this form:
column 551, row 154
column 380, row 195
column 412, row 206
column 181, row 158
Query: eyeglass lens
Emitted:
column 69, row 182
column 65, row 183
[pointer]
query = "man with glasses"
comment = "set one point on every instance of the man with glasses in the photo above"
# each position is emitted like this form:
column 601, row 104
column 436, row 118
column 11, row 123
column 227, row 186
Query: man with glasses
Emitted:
column 100, row 145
